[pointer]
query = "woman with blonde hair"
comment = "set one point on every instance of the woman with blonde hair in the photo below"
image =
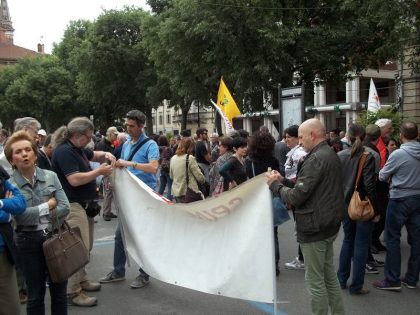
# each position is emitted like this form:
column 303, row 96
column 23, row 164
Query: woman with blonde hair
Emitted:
column 184, row 166
column 43, row 194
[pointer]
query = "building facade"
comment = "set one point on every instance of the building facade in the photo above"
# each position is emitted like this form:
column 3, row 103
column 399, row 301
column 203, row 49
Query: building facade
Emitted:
column 10, row 53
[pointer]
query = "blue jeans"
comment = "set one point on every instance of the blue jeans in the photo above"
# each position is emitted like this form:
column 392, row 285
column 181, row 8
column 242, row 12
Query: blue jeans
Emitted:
column 120, row 258
column 165, row 180
column 29, row 245
column 356, row 242
column 400, row 212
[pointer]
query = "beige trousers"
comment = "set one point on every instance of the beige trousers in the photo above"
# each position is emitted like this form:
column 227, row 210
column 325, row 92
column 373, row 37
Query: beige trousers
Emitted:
column 78, row 217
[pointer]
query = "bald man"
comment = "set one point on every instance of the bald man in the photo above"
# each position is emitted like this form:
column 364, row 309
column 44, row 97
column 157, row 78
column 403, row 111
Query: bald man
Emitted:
column 319, row 201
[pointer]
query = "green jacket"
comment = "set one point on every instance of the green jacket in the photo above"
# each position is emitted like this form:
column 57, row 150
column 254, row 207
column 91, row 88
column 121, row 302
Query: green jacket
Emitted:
column 317, row 196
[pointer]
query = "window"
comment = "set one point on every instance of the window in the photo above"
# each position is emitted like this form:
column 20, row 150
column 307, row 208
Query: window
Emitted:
column 168, row 118
column 160, row 119
column 382, row 88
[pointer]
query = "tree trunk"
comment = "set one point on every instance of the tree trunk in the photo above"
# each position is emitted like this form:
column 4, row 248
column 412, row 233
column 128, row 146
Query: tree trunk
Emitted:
column 149, row 123
column 184, row 116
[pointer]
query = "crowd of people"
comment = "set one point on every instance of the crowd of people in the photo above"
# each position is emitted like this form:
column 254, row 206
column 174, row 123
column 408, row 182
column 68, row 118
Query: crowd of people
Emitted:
column 311, row 174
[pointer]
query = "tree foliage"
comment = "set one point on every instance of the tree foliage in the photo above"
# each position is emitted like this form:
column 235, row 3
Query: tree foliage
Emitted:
column 367, row 118
column 114, row 72
column 37, row 87
column 134, row 59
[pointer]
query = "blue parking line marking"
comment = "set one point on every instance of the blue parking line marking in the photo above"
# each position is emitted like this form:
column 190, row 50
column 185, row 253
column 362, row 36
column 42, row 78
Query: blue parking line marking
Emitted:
column 266, row 308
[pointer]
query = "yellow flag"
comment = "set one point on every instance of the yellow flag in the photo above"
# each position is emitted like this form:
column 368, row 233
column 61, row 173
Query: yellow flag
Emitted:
column 226, row 103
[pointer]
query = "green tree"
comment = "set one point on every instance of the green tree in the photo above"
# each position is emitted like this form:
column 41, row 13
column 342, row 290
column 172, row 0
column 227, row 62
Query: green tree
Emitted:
column 38, row 87
column 367, row 118
column 257, row 44
column 114, row 71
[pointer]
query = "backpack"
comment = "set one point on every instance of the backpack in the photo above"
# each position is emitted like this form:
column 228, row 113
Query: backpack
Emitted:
column 165, row 160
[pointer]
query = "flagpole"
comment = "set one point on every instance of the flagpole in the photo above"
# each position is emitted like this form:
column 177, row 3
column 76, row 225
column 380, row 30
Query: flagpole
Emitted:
column 228, row 124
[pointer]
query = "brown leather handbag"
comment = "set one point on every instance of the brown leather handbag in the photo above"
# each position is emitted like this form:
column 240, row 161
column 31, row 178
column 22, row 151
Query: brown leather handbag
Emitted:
column 65, row 253
column 191, row 195
column 360, row 210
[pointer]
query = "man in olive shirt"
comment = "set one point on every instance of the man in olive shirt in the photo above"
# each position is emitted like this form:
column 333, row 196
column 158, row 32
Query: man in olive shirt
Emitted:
column 318, row 198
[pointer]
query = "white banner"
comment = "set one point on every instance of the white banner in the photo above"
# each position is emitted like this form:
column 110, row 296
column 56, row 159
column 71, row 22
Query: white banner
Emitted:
column 221, row 245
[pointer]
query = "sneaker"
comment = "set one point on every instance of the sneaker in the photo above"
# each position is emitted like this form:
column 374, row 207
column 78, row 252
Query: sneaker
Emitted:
column 81, row 299
column 90, row 286
column 362, row 291
column 407, row 285
column 139, row 282
column 112, row 215
column 376, row 263
column 295, row 264
column 111, row 277
column 107, row 218
column 385, row 285
column 371, row 269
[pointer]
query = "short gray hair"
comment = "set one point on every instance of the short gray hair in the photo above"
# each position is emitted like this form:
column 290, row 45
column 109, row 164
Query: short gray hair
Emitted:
column 122, row 136
column 26, row 122
column 383, row 122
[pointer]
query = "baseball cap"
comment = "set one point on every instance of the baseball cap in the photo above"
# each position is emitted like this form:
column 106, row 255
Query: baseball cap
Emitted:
column 42, row 132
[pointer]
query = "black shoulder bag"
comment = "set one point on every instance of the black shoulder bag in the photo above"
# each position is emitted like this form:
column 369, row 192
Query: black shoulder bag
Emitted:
column 136, row 148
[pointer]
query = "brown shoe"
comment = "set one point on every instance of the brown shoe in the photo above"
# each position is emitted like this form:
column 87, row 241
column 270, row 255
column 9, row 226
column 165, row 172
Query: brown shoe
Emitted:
column 362, row 291
column 90, row 286
column 23, row 297
column 81, row 299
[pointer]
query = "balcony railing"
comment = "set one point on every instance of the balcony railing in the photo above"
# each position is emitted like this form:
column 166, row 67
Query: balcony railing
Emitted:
column 193, row 117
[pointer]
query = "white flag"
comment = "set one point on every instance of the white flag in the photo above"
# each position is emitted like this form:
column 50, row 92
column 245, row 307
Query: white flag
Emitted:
column 373, row 101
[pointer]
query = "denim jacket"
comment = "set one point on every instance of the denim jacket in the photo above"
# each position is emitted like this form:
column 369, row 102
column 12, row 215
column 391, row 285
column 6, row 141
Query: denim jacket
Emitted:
column 46, row 185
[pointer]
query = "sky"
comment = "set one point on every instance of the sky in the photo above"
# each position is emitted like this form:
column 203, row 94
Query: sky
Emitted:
column 45, row 21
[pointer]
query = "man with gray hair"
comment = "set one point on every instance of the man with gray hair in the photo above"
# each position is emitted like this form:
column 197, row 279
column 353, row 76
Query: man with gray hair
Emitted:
column 3, row 137
column 385, row 125
column 71, row 163
column 28, row 124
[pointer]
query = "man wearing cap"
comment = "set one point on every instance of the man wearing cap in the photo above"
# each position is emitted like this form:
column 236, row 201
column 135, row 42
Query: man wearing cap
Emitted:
column 383, row 187
column 42, row 134
column 106, row 144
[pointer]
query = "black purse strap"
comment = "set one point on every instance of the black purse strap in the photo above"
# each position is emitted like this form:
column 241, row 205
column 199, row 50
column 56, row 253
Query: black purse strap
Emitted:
column 136, row 148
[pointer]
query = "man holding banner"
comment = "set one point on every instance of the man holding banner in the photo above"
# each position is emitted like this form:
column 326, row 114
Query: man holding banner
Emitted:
column 319, row 201
column 140, row 155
